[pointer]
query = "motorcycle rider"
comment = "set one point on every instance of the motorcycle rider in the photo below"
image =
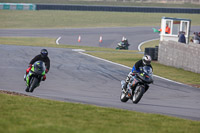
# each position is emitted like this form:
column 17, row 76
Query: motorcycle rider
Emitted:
column 125, row 42
column 145, row 61
column 43, row 56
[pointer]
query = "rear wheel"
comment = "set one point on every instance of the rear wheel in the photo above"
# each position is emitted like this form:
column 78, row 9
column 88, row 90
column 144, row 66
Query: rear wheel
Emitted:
column 33, row 84
column 138, row 93
column 123, row 97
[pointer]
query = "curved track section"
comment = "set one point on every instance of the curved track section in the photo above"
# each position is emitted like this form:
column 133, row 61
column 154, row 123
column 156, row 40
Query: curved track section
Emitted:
column 91, row 36
column 75, row 77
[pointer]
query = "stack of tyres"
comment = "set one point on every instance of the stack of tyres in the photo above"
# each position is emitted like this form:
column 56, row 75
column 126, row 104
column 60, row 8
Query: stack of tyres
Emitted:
column 153, row 52
column 156, row 53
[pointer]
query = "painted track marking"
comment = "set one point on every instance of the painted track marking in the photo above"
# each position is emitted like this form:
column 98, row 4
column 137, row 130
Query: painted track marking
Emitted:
column 139, row 46
column 128, row 67
column 57, row 40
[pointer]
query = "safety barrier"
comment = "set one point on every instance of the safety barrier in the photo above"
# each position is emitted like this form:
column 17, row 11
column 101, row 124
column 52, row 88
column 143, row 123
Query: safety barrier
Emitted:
column 24, row 6
column 153, row 52
column 17, row 6
column 180, row 55
column 117, row 8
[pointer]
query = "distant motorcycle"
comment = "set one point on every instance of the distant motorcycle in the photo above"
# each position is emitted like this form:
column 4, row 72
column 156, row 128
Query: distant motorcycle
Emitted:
column 137, row 86
column 35, row 75
column 122, row 45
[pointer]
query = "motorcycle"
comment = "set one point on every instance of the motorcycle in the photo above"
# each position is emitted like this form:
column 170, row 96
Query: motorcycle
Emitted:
column 137, row 85
column 122, row 45
column 35, row 75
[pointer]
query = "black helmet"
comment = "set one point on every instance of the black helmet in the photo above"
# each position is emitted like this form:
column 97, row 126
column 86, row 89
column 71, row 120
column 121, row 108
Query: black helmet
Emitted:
column 44, row 53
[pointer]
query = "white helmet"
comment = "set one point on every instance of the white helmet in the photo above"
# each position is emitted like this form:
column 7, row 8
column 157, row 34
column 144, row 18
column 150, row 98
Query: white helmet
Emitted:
column 146, row 60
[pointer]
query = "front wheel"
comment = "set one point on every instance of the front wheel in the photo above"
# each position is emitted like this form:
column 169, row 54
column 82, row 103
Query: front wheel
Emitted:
column 138, row 93
column 123, row 97
column 117, row 48
column 34, row 84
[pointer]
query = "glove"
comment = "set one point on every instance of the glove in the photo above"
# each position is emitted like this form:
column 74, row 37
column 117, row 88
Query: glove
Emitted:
column 46, row 71
column 44, row 78
column 141, row 69
column 28, row 69
column 129, row 77
column 130, row 74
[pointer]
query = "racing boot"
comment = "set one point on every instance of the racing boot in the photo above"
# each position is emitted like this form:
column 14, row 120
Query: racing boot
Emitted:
column 27, row 89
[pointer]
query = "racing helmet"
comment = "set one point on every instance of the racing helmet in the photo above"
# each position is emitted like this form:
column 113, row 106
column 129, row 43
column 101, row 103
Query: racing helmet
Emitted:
column 146, row 59
column 44, row 53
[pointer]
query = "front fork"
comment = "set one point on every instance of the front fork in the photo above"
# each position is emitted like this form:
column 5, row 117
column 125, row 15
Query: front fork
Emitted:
column 28, row 78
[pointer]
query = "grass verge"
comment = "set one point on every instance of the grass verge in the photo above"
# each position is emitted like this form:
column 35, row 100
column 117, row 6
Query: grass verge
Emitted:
column 76, row 19
column 28, row 114
column 150, row 44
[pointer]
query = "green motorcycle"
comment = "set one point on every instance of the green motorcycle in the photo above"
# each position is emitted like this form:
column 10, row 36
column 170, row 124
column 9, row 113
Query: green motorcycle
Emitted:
column 122, row 45
column 35, row 75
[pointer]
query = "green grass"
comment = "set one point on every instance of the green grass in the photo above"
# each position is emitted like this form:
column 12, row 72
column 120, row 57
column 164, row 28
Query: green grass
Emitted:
column 75, row 19
column 110, row 2
column 28, row 41
column 150, row 44
column 49, row 42
column 20, row 114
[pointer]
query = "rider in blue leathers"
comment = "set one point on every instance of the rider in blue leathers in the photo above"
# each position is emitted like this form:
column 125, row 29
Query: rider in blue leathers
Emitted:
column 145, row 61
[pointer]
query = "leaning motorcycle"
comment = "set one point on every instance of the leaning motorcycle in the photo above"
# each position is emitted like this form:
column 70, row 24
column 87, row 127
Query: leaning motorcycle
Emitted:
column 137, row 86
column 121, row 45
column 35, row 75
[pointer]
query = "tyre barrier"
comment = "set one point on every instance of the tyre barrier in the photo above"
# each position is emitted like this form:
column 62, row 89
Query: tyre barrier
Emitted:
column 153, row 52
column 24, row 6
column 117, row 8
column 17, row 6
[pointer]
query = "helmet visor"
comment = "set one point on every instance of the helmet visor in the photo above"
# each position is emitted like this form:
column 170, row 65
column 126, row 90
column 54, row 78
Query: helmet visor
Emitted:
column 147, row 62
column 44, row 53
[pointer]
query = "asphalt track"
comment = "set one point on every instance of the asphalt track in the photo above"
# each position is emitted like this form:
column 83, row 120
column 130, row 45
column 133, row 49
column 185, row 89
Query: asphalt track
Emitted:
column 89, row 36
column 76, row 77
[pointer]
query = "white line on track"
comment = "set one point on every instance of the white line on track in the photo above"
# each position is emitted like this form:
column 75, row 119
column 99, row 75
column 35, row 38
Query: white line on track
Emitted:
column 57, row 40
column 139, row 46
column 127, row 67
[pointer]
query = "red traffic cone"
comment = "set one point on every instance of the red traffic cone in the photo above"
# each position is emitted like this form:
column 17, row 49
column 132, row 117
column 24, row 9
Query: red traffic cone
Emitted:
column 79, row 39
column 100, row 39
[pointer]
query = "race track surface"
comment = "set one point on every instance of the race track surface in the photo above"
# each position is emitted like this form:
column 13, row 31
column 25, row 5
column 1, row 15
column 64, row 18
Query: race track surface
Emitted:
column 91, row 36
column 75, row 77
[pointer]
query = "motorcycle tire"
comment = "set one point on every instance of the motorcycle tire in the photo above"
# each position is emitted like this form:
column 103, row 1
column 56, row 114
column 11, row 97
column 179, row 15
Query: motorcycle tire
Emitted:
column 123, row 97
column 138, row 93
column 33, row 84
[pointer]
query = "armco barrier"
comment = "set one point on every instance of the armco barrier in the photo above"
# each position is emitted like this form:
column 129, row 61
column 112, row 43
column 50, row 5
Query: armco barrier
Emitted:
column 17, row 6
column 117, row 8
